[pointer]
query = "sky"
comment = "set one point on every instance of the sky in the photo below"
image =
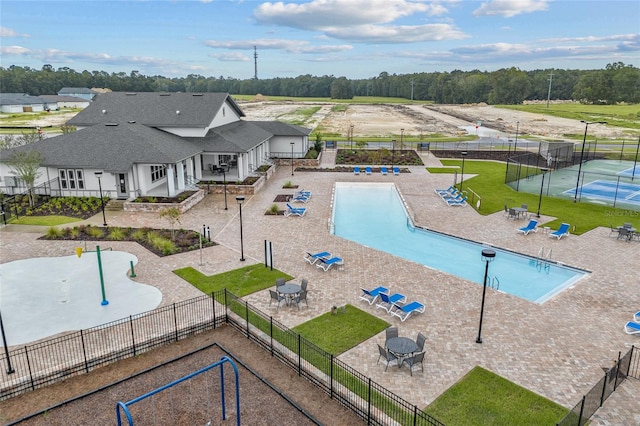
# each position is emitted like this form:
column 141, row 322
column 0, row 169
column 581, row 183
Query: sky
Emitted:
column 351, row 38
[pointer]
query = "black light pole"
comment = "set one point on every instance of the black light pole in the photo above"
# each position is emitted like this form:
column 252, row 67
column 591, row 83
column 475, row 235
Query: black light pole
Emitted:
column 401, row 140
column 292, row 143
column 464, row 154
column 224, row 184
column 487, row 256
column 240, row 200
column 515, row 145
column 584, row 141
column 104, row 218
column 351, row 136
column 544, row 171
column 6, row 347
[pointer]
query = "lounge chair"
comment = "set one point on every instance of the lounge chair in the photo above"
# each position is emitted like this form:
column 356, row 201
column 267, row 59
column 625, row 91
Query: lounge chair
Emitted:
column 404, row 311
column 449, row 191
column 531, row 227
column 356, row 170
column 303, row 193
column 636, row 317
column 387, row 302
column 326, row 264
column 388, row 356
column 383, row 170
column 632, row 327
column 396, row 171
column 457, row 202
column 367, row 170
column 313, row 257
column 295, row 211
column 561, row 232
column 370, row 296
column 300, row 198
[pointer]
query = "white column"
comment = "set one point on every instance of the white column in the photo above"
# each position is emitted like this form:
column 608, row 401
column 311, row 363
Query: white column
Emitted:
column 241, row 166
column 171, row 184
column 198, row 166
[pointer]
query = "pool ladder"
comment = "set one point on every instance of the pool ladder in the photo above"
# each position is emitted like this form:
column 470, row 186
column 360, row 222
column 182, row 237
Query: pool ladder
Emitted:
column 542, row 259
column 493, row 282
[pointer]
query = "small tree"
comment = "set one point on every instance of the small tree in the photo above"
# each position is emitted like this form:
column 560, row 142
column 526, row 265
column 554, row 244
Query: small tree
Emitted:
column 318, row 144
column 26, row 165
column 172, row 215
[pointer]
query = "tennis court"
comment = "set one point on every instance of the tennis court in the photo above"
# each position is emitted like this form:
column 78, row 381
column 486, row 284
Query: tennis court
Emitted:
column 630, row 172
column 609, row 190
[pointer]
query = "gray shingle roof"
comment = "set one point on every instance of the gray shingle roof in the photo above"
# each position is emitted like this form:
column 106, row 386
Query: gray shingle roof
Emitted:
column 154, row 109
column 114, row 148
column 19, row 99
column 282, row 129
column 239, row 136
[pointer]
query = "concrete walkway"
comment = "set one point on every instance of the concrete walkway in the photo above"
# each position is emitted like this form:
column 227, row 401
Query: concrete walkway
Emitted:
column 557, row 349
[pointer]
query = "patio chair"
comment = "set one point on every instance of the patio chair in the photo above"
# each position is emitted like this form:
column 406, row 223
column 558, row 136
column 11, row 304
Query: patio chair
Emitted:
column 625, row 234
column 614, row 231
column 512, row 214
column 303, row 284
column 414, row 360
column 302, row 296
column 391, row 332
column 370, row 296
column 367, row 170
column 383, row 170
column 277, row 297
column 396, row 171
column 326, row 264
column 295, row 211
column 387, row 356
column 313, row 257
column 420, row 340
column 356, row 170
column 560, row 232
column 280, row 281
column 387, row 302
column 531, row 227
column 403, row 312
column 632, row 327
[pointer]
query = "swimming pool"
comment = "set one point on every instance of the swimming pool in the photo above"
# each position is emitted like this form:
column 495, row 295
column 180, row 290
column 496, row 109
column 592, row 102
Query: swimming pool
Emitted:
column 373, row 215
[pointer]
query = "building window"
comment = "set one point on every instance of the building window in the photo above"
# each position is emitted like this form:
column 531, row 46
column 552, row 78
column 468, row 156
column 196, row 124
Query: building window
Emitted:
column 158, row 172
column 71, row 178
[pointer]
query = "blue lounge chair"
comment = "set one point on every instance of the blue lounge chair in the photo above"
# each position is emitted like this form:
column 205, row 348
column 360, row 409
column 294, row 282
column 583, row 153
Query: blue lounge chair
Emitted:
column 403, row 312
column 561, row 232
column 531, row 227
column 313, row 257
column 387, row 302
column 370, row 296
column 457, row 201
column 636, row 317
column 326, row 264
column 300, row 199
column 396, row 171
column 356, row 170
column 367, row 170
column 449, row 191
column 383, row 170
column 303, row 193
column 295, row 211
column 632, row 327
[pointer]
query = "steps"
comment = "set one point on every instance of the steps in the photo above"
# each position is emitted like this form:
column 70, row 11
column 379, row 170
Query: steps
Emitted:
column 115, row 205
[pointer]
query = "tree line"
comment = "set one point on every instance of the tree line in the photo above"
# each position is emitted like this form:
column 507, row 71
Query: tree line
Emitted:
column 615, row 83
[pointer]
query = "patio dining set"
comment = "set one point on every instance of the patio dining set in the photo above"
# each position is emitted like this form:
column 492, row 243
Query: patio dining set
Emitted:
column 625, row 232
column 289, row 292
column 402, row 350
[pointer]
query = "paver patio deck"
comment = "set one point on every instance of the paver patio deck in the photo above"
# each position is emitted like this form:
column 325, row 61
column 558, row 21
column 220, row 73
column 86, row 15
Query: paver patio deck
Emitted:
column 557, row 349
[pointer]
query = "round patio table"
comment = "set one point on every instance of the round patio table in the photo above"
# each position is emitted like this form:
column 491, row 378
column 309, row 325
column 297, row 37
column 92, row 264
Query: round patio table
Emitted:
column 289, row 290
column 402, row 346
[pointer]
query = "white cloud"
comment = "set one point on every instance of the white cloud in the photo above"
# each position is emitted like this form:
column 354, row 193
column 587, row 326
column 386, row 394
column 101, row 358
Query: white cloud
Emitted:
column 15, row 50
column 232, row 57
column 510, row 8
column 291, row 46
column 8, row 32
column 396, row 34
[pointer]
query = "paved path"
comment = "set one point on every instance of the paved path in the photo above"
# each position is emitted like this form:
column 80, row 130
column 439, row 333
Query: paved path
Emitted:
column 557, row 349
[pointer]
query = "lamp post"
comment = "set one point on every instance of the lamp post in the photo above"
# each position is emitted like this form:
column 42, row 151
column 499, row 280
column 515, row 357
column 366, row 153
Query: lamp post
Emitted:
column 401, row 140
column 584, row 141
column 104, row 218
column 6, row 347
column 487, row 256
column 351, row 136
column 292, row 143
column 544, row 171
column 240, row 200
column 224, row 184
column 515, row 144
column 464, row 154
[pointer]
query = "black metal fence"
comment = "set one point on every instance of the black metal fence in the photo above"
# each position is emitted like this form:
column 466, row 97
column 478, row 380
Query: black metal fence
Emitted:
column 627, row 365
column 50, row 361
column 9, row 204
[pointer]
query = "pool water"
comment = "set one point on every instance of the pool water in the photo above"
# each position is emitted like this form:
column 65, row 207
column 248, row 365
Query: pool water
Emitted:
column 374, row 215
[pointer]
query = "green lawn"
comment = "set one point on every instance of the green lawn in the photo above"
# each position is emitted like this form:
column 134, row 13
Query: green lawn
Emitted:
column 340, row 332
column 241, row 282
column 489, row 185
column 484, row 398
column 43, row 220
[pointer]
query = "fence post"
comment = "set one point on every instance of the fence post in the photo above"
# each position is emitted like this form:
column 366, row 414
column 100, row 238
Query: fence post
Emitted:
column 369, row 401
column 271, row 334
column 213, row 304
column 581, row 410
column 175, row 321
column 246, row 317
column 26, row 355
column 133, row 336
column 84, row 352
column 299, row 355
column 617, row 367
column 331, row 376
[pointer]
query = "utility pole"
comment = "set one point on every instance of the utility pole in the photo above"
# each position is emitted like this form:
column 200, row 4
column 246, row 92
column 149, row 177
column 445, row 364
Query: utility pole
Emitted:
column 411, row 89
column 549, row 93
column 255, row 62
